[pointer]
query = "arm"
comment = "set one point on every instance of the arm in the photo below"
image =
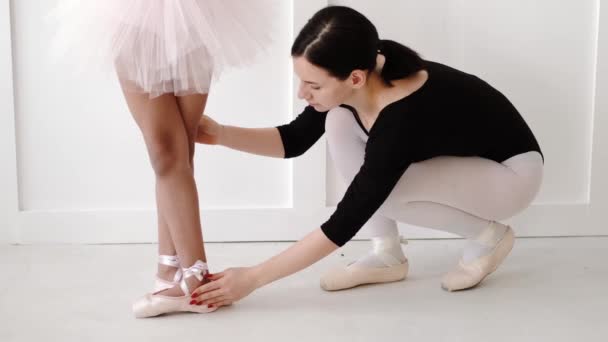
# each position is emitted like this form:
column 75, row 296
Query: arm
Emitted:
column 312, row 248
column 261, row 141
column 382, row 168
column 386, row 160
column 388, row 153
column 365, row 195
column 286, row 141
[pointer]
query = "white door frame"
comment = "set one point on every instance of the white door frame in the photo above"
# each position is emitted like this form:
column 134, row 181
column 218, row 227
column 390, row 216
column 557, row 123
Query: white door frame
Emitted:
column 9, row 199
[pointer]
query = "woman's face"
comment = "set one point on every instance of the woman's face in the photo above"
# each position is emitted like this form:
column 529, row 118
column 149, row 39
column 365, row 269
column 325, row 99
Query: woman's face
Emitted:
column 321, row 90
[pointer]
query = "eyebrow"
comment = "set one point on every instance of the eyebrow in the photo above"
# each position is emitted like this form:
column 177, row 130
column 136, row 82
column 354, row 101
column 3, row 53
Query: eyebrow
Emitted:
column 309, row 82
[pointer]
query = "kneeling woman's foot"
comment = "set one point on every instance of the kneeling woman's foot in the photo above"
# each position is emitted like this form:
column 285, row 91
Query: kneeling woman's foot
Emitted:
column 386, row 263
column 496, row 242
column 176, row 299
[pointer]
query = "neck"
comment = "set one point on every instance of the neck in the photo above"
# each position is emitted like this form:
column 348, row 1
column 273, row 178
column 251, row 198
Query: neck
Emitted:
column 375, row 95
column 368, row 101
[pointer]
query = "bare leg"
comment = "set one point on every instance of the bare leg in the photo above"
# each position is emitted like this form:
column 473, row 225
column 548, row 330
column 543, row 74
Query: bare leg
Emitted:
column 191, row 108
column 166, row 137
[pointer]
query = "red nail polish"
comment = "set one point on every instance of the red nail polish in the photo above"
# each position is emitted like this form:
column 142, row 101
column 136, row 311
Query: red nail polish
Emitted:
column 199, row 304
column 195, row 295
column 209, row 306
column 192, row 302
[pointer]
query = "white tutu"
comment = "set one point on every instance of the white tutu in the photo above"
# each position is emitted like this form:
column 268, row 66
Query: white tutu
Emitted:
column 163, row 46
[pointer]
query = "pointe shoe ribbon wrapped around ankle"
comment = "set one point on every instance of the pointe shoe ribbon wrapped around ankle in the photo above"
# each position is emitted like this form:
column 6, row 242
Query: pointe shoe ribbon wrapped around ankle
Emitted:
column 198, row 270
column 171, row 261
column 152, row 305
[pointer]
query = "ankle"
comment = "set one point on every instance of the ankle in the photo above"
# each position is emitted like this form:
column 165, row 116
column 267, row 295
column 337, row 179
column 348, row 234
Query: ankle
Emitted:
column 193, row 283
column 492, row 234
column 194, row 276
column 394, row 252
column 390, row 245
column 166, row 272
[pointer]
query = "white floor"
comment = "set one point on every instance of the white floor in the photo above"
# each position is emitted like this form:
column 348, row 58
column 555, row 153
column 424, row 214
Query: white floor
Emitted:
column 547, row 290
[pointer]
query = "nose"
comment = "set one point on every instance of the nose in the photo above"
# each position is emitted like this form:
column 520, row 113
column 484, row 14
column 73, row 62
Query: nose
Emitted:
column 302, row 93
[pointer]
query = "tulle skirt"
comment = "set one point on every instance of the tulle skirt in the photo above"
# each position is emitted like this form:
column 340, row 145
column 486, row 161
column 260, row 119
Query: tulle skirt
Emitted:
column 163, row 46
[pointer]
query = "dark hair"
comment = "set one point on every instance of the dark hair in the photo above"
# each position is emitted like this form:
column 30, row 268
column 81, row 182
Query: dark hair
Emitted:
column 340, row 40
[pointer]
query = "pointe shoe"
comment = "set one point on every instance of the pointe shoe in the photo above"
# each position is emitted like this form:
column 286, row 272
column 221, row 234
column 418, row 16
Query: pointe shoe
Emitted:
column 152, row 305
column 468, row 275
column 342, row 278
column 162, row 284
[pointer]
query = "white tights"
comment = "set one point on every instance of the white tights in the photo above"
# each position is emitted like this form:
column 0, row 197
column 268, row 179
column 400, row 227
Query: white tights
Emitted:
column 460, row 195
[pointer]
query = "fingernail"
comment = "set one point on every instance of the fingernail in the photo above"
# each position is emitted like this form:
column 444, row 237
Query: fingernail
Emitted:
column 195, row 295
column 192, row 302
column 210, row 306
column 199, row 304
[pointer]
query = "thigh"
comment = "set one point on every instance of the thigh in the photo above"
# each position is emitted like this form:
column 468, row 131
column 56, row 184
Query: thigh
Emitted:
column 160, row 122
column 478, row 186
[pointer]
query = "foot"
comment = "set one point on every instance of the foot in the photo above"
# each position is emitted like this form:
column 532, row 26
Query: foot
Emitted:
column 469, row 273
column 386, row 263
column 174, row 300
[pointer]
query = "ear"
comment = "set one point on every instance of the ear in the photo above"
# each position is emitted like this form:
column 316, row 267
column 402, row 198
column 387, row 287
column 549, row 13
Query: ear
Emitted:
column 358, row 78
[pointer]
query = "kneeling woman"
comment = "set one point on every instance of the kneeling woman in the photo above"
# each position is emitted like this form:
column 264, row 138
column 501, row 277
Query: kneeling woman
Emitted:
column 418, row 141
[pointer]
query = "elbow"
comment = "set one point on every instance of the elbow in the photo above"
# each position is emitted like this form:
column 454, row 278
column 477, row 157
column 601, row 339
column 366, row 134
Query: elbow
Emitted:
column 293, row 152
column 293, row 155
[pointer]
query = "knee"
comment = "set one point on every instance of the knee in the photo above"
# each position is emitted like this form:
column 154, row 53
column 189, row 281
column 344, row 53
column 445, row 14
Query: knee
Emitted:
column 338, row 120
column 166, row 156
column 516, row 200
column 341, row 132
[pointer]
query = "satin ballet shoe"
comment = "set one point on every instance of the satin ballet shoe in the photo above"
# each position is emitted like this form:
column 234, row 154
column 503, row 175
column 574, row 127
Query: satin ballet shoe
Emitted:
column 152, row 305
column 470, row 274
column 342, row 278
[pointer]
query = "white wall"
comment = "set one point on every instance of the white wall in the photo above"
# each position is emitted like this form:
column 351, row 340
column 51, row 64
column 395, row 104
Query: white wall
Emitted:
column 83, row 171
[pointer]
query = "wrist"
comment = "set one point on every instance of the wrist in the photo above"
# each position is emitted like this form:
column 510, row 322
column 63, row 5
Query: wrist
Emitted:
column 259, row 276
column 221, row 135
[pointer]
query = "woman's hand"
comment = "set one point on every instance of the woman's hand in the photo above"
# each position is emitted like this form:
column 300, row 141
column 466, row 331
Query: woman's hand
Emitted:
column 236, row 283
column 226, row 287
column 208, row 131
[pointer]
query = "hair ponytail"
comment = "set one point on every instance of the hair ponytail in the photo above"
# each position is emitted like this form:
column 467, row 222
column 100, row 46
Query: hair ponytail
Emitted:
column 400, row 61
